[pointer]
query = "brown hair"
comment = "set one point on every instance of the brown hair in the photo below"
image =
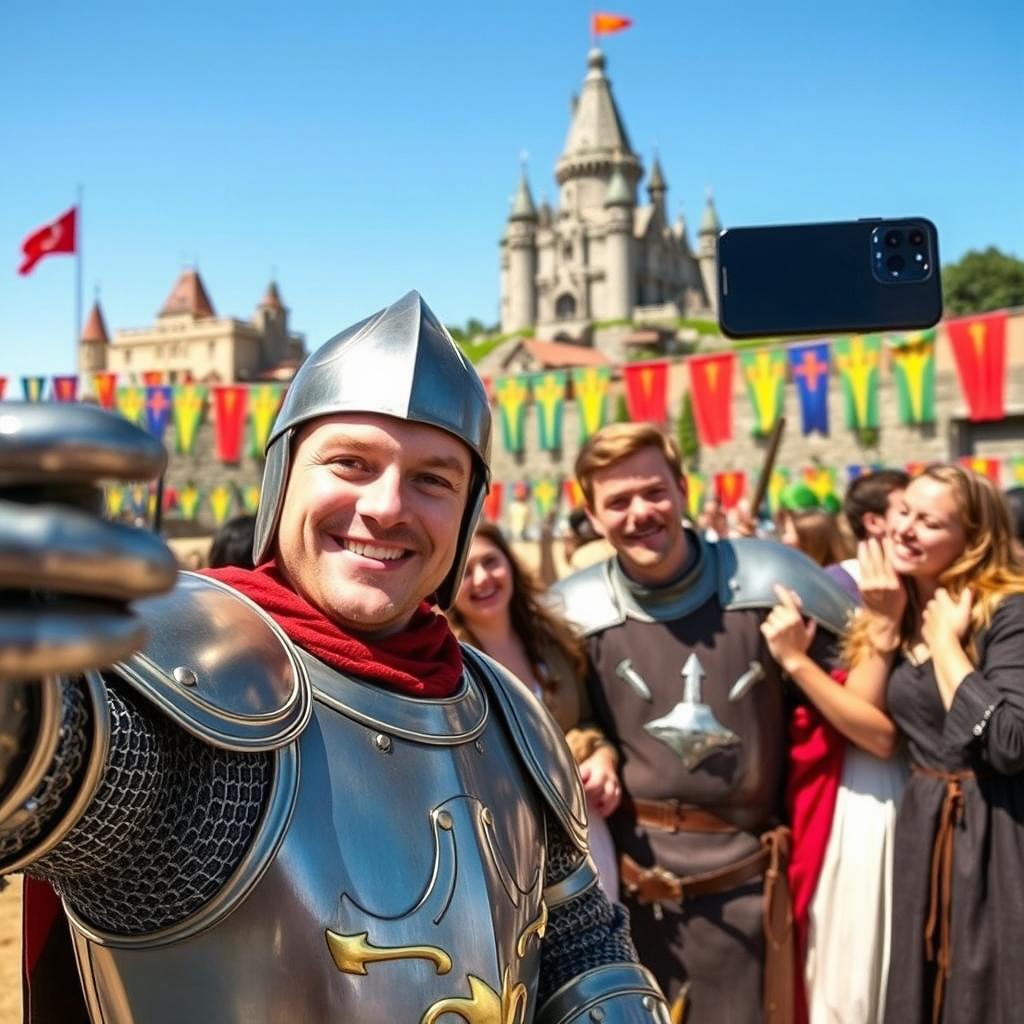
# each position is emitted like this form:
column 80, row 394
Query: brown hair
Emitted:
column 870, row 493
column 616, row 442
column 537, row 626
column 819, row 536
column 988, row 564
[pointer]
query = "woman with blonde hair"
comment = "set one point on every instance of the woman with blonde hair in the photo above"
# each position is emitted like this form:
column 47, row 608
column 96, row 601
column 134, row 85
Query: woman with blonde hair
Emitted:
column 499, row 609
column 940, row 645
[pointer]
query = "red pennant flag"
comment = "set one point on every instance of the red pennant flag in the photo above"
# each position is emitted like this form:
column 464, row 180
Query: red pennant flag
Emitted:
column 916, row 468
column 492, row 503
column 229, row 408
column 711, row 389
column 573, row 494
column 488, row 383
column 730, row 487
column 982, row 466
column 65, row 388
column 604, row 24
column 152, row 378
column 647, row 391
column 3, row 386
column 56, row 237
column 979, row 347
column 104, row 385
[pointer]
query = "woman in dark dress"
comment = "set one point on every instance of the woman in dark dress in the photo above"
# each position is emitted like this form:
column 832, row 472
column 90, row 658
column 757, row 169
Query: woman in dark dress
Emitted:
column 940, row 645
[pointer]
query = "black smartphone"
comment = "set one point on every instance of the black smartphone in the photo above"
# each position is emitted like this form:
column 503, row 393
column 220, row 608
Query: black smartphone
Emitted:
column 860, row 276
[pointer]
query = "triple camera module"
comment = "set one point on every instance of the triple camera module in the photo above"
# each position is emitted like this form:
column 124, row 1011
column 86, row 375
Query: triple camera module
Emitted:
column 901, row 253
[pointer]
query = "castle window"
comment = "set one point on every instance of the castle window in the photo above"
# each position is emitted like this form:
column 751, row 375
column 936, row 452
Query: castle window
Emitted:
column 567, row 252
column 565, row 307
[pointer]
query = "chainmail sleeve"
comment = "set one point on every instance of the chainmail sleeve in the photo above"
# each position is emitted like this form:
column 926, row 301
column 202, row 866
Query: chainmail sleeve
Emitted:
column 170, row 821
column 584, row 932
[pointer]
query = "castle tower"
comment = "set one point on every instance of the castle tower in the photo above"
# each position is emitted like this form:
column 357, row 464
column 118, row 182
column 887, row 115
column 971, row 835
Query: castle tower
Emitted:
column 657, row 189
column 620, row 271
column 92, row 347
column 707, row 251
column 520, row 245
column 271, row 320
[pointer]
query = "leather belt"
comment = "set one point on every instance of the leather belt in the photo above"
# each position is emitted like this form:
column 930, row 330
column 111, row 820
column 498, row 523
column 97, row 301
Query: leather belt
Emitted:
column 672, row 816
column 659, row 885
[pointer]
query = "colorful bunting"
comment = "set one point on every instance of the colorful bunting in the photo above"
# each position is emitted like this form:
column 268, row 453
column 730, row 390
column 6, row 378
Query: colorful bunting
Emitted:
column 730, row 487
column 696, row 486
column 492, row 503
column 189, row 401
column 1015, row 464
column 647, row 391
column 114, row 501
column 251, row 498
column 32, row 388
column 809, row 364
column 913, row 366
column 104, row 387
column 511, row 394
column 229, row 408
column 574, row 497
column 158, row 409
column 765, row 375
column 857, row 360
column 131, row 403
column 64, row 388
column 777, row 483
column 138, row 500
column 549, row 397
column 711, row 390
column 915, row 468
column 982, row 466
column 979, row 348
column 264, row 401
column 188, row 500
column 152, row 378
column 857, row 469
column 221, row 498
column 820, row 479
column 590, row 388
column 545, row 493
column 3, row 387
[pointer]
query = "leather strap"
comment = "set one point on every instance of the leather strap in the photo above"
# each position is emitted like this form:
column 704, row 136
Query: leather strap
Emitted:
column 658, row 885
column 940, row 900
column 672, row 816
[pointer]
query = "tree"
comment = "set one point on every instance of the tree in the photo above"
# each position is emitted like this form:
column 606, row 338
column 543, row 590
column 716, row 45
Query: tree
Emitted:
column 686, row 433
column 983, row 281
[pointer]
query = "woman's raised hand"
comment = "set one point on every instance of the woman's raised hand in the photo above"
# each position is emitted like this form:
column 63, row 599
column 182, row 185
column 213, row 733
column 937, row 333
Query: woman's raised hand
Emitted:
column 786, row 632
column 884, row 594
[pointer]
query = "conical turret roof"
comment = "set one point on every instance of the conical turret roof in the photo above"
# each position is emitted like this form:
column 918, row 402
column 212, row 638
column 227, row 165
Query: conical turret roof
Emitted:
column 95, row 329
column 709, row 222
column 656, row 179
column 188, row 296
column 522, row 205
column 271, row 298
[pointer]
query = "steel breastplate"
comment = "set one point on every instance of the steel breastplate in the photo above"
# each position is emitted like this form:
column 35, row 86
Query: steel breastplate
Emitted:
column 398, row 877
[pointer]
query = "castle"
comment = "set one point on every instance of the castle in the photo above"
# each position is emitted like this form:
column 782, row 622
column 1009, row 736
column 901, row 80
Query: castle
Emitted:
column 600, row 258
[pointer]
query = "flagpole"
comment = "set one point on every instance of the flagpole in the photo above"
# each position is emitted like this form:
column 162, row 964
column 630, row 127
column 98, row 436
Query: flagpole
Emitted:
column 78, row 275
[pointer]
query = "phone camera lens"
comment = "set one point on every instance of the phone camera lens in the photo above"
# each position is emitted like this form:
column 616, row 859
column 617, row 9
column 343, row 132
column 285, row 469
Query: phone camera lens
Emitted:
column 895, row 263
column 893, row 239
column 916, row 237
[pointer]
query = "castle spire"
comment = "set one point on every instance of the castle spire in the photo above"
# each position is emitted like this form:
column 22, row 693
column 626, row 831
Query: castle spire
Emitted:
column 188, row 296
column 522, row 204
column 95, row 330
column 709, row 222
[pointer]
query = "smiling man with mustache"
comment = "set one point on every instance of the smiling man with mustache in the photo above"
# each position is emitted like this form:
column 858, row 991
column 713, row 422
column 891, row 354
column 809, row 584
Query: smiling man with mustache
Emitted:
column 303, row 799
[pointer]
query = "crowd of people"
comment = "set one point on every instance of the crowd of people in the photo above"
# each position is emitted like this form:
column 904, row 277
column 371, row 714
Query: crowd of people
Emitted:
column 789, row 788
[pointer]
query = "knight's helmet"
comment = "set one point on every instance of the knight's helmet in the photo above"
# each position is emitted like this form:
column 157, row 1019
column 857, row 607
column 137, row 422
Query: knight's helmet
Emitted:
column 399, row 362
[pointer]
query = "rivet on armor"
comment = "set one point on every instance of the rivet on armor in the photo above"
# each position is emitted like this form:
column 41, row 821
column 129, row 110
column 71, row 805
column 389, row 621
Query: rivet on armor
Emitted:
column 445, row 820
column 382, row 742
column 31, row 805
column 185, row 676
column 486, row 817
column 479, row 746
column 734, row 585
column 597, row 1013
column 648, row 1003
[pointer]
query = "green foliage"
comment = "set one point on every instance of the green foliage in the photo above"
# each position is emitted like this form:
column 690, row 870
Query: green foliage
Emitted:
column 708, row 327
column 600, row 324
column 643, row 352
column 983, row 281
column 686, row 433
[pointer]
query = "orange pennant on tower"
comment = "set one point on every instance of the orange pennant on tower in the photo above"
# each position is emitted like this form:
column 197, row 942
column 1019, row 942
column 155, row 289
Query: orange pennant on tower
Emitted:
column 604, row 24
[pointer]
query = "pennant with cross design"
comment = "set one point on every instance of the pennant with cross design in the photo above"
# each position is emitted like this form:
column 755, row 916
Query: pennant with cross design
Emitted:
column 189, row 402
column 549, row 400
column 764, row 373
column 590, row 388
column 857, row 360
column 511, row 394
column 913, row 366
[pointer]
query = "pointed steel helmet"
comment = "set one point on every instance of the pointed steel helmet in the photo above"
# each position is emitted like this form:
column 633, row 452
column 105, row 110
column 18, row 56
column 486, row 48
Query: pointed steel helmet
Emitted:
column 399, row 362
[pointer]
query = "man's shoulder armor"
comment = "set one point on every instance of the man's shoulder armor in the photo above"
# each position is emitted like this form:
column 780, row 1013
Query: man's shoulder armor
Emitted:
column 587, row 599
column 749, row 569
column 540, row 744
column 219, row 667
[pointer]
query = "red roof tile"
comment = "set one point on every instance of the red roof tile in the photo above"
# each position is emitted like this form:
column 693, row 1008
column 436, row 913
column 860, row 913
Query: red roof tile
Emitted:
column 188, row 296
column 95, row 329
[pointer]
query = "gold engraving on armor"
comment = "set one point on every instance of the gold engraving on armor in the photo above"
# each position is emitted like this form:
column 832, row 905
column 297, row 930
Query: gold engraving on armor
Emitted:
column 484, row 1005
column 352, row 953
column 536, row 927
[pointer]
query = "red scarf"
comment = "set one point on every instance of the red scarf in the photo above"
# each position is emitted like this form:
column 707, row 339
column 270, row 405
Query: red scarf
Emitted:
column 423, row 660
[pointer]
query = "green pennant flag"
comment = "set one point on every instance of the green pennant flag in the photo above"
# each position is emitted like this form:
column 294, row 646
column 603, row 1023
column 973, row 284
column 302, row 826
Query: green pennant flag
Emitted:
column 857, row 360
column 189, row 498
column 221, row 498
column 131, row 403
column 549, row 399
column 764, row 373
column 251, row 498
column 913, row 366
column 512, row 393
column 545, row 491
column 777, row 483
column 1015, row 464
column 264, row 401
column 590, row 388
column 696, row 485
column 188, row 402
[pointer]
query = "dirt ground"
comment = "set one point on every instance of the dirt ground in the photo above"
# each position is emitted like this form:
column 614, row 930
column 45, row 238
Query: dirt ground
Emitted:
column 10, row 953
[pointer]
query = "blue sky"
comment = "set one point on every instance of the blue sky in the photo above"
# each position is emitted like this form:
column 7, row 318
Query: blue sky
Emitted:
column 359, row 150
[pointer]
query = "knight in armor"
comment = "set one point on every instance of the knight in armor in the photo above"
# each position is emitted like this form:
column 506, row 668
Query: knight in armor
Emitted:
column 288, row 794
column 684, row 684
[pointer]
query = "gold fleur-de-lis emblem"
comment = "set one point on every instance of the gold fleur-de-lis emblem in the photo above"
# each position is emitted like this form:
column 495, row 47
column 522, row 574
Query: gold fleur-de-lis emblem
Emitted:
column 484, row 1005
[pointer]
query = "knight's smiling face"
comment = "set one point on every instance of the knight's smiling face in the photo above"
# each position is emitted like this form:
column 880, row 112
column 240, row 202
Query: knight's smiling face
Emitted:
column 371, row 516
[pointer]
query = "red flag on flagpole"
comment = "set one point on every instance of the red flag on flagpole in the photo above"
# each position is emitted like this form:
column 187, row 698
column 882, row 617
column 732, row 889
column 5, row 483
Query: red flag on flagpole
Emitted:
column 58, row 236
column 604, row 24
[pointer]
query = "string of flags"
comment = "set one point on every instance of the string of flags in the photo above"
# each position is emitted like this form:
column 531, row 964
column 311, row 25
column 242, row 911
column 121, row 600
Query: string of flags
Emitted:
column 222, row 501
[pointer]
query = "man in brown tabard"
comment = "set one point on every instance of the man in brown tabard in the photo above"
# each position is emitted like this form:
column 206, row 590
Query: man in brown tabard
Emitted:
column 687, row 689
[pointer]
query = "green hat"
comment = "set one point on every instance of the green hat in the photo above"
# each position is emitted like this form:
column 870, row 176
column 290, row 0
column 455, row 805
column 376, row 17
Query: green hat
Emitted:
column 798, row 497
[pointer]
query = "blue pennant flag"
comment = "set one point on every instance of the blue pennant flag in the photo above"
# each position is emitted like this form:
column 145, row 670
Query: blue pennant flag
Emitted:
column 809, row 365
column 158, row 409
